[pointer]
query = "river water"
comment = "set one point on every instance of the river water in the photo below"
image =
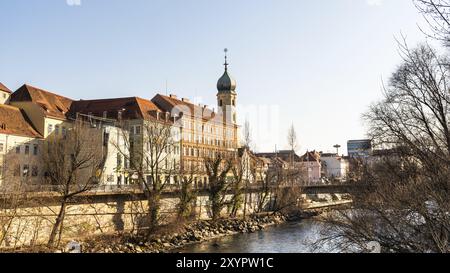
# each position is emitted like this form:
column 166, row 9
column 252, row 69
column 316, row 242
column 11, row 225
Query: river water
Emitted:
column 293, row 237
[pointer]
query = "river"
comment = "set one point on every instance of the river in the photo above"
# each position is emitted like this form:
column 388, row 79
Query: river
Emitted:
column 292, row 237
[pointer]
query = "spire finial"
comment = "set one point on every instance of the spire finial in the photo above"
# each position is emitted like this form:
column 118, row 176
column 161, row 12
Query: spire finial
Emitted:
column 226, row 61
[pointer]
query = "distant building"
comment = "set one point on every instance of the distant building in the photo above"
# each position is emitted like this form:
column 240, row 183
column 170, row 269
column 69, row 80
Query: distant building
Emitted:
column 311, row 163
column 359, row 148
column 4, row 94
column 334, row 166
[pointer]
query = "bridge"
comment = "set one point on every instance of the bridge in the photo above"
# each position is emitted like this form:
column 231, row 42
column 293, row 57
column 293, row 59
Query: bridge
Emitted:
column 50, row 195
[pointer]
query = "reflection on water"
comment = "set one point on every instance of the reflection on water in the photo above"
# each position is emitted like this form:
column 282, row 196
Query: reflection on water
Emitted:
column 297, row 237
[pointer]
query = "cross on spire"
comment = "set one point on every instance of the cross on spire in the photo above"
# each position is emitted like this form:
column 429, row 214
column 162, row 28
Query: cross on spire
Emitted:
column 226, row 61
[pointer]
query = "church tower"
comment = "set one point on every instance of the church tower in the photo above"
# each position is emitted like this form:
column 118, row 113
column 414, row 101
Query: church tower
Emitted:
column 226, row 97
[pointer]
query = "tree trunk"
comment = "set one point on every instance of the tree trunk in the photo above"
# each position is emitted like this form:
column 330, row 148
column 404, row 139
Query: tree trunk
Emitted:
column 153, row 209
column 58, row 223
column 245, row 199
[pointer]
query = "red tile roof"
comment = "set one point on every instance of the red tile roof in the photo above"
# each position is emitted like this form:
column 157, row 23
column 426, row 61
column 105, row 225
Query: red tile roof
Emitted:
column 54, row 106
column 187, row 108
column 4, row 88
column 132, row 108
column 14, row 122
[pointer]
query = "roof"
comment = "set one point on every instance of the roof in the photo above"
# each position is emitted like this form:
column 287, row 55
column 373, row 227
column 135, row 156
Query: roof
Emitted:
column 251, row 155
column 187, row 108
column 4, row 88
column 14, row 121
column 226, row 83
column 284, row 155
column 310, row 157
column 54, row 106
column 131, row 108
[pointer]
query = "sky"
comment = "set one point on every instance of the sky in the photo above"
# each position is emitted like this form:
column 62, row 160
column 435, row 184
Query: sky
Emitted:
column 315, row 64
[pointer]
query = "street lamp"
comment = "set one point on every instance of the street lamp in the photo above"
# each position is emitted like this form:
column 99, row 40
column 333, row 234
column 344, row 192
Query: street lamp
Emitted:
column 337, row 146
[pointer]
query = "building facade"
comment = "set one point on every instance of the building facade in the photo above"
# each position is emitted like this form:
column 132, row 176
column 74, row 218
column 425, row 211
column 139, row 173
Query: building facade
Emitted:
column 311, row 163
column 335, row 167
column 205, row 132
column 127, row 126
column 20, row 146
column 4, row 94
column 137, row 122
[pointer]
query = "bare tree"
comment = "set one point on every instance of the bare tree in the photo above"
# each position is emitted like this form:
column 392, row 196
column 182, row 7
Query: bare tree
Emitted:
column 187, row 193
column 73, row 164
column 217, row 169
column 404, row 204
column 247, row 135
column 437, row 15
column 266, row 180
column 152, row 161
column 293, row 144
column 238, row 187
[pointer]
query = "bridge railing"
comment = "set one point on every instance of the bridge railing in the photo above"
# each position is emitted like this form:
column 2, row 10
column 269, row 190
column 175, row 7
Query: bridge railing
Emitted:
column 114, row 188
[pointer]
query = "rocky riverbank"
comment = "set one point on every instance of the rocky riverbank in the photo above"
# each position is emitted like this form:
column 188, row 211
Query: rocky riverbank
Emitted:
column 196, row 232
column 167, row 242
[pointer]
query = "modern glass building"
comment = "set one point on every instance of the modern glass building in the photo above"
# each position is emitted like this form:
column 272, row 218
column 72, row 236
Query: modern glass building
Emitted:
column 359, row 148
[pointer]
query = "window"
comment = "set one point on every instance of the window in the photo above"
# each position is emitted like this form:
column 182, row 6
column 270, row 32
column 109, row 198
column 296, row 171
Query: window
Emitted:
column 26, row 170
column 119, row 161
column 18, row 150
column 34, row 171
column 35, row 149
column 1, row 147
column 63, row 131
column 220, row 103
column 56, row 129
column 137, row 130
column 50, row 128
column 27, row 149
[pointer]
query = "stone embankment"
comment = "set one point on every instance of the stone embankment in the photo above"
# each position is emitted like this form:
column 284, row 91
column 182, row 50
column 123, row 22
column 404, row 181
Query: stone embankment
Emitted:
column 192, row 233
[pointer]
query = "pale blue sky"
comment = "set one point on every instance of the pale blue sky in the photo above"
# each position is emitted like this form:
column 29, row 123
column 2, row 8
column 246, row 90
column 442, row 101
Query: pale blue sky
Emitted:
column 320, row 63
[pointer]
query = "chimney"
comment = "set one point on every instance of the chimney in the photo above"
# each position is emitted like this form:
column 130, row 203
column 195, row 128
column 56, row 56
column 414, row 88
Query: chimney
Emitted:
column 173, row 96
